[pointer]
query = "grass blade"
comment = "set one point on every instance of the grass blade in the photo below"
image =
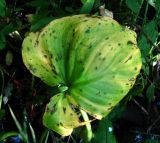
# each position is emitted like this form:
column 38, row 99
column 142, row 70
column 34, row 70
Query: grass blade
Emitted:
column 87, row 6
column 8, row 134
column 44, row 136
column 32, row 133
column 23, row 134
column 46, row 140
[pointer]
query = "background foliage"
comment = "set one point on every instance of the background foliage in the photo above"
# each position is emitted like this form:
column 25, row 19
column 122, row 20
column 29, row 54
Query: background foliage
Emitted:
column 135, row 119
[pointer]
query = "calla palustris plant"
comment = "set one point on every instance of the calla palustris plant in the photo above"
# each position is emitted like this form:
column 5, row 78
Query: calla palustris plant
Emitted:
column 94, row 58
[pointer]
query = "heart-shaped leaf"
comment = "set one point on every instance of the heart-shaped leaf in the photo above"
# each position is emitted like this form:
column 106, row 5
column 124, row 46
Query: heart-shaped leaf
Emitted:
column 95, row 58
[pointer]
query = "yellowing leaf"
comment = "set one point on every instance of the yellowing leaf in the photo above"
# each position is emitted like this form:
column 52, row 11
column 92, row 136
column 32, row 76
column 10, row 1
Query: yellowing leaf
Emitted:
column 94, row 58
column 60, row 116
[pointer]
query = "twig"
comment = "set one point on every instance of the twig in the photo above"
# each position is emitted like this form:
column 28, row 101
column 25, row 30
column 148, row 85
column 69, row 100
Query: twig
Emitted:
column 141, row 107
column 154, row 123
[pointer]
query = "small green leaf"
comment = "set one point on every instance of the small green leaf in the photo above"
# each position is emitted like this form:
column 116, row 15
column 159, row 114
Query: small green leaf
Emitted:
column 5, row 31
column 8, row 29
column 2, row 7
column 148, row 37
column 2, row 41
column 40, row 23
column 9, row 58
column 157, row 5
column 87, row 6
column 134, row 5
column 152, row 2
column 2, row 113
column 150, row 92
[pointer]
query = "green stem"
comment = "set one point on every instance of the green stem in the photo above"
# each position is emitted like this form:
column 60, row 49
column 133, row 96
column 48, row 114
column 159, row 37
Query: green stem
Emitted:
column 88, row 125
column 2, row 86
column 139, row 11
column 145, row 14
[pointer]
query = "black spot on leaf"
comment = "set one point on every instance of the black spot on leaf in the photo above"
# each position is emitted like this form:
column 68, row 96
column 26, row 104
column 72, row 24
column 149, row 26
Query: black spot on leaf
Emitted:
column 64, row 110
column 56, row 59
column 130, row 43
column 109, row 104
column 106, row 38
column 28, row 49
column 113, row 76
column 51, row 55
column 45, row 56
column 90, row 47
column 87, row 31
column 54, row 72
column 103, row 59
column 33, row 69
column 110, row 108
column 129, row 58
column 99, row 53
column 73, row 34
column 80, row 61
column 43, row 35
